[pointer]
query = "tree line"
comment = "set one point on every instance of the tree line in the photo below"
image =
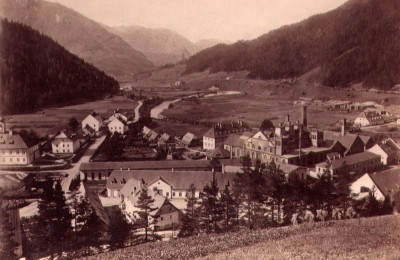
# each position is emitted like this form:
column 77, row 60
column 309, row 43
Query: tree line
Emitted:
column 263, row 197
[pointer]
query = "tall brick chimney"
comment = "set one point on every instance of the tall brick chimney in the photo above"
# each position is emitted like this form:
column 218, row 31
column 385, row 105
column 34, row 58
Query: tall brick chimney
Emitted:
column 304, row 115
column 343, row 132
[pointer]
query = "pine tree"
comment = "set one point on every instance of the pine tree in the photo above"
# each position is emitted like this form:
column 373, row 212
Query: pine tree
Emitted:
column 230, row 213
column 275, row 189
column 210, row 209
column 145, row 204
column 7, row 243
column 119, row 230
column 54, row 220
column 91, row 232
column 387, row 207
column 373, row 206
column 190, row 224
column 62, row 227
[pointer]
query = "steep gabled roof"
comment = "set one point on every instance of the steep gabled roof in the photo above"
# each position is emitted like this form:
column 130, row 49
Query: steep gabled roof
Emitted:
column 234, row 140
column 388, row 182
column 350, row 160
column 180, row 180
column 94, row 200
column 14, row 141
column 188, row 138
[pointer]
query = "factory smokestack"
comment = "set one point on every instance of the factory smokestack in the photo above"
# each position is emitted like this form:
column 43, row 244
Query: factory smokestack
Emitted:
column 304, row 115
column 344, row 127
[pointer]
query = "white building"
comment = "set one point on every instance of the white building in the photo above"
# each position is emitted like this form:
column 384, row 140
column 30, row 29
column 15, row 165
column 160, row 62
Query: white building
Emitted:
column 386, row 183
column 117, row 125
column 65, row 143
column 118, row 115
column 369, row 118
column 389, row 151
column 94, row 121
column 14, row 151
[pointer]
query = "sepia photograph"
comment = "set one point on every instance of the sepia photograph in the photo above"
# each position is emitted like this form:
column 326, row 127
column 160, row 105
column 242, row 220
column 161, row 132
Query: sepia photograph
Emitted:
column 209, row 130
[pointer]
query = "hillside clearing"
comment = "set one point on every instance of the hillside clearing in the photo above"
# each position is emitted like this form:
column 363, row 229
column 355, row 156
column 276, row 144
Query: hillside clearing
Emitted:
column 372, row 238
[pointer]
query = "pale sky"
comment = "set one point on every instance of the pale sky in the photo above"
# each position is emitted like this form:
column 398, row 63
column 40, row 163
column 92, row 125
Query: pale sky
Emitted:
column 228, row 20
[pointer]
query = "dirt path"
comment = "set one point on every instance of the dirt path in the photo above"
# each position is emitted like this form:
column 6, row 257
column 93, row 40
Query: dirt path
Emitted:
column 75, row 169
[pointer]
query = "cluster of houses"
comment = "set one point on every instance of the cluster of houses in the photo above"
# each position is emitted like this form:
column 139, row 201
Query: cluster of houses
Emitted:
column 166, row 181
column 167, row 141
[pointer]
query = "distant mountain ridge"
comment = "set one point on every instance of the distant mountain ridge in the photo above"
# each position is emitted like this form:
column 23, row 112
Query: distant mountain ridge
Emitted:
column 80, row 35
column 161, row 46
column 358, row 42
column 35, row 72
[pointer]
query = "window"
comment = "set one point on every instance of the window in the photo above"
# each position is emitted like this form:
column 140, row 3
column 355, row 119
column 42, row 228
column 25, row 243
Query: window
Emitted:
column 180, row 194
column 99, row 175
column 173, row 194
column 167, row 194
column 170, row 216
column 162, row 218
column 17, row 159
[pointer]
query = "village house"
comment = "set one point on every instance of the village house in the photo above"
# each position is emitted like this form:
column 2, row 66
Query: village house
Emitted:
column 118, row 125
column 149, row 134
column 389, row 151
column 93, row 121
column 118, row 114
column 189, row 139
column 65, row 142
column 172, row 185
column 169, row 190
column 102, row 170
column 166, row 142
column 360, row 162
column 235, row 166
column 217, row 134
column 14, row 151
column 369, row 118
column 385, row 183
column 168, row 216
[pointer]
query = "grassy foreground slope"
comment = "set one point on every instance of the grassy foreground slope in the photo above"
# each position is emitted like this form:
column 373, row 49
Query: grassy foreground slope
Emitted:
column 371, row 238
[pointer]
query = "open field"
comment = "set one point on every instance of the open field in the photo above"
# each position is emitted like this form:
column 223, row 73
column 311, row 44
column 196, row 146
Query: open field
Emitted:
column 261, row 99
column 367, row 238
column 179, row 129
column 49, row 121
column 253, row 109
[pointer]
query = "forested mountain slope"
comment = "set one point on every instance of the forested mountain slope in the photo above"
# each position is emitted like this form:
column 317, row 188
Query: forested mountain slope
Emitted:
column 35, row 71
column 358, row 42
column 79, row 35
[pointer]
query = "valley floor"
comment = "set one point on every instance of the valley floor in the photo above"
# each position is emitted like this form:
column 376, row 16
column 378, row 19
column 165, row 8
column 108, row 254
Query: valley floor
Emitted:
column 366, row 238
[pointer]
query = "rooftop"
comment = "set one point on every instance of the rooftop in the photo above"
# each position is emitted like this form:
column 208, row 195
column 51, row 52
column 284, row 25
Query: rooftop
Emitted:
column 178, row 180
column 388, row 182
column 350, row 160
column 141, row 165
